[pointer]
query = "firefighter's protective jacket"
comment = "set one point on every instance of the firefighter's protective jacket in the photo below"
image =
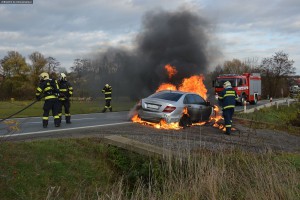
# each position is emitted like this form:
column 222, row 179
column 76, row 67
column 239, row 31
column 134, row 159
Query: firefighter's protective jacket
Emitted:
column 48, row 89
column 228, row 98
column 65, row 90
column 107, row 92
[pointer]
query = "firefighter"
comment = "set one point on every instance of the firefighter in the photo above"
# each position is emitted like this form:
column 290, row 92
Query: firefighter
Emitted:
column 107, row 90
column 48, row 89
column 227, row 99
column 65, row 92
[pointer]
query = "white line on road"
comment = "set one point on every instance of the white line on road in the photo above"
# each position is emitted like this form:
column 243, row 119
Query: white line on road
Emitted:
column 72, row 120
column 57, row 130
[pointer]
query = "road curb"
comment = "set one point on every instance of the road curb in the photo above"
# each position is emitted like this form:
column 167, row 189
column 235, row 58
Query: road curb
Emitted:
column 136, row 146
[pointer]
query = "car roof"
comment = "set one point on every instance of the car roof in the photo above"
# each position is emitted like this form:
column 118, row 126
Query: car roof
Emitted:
column 174, row 91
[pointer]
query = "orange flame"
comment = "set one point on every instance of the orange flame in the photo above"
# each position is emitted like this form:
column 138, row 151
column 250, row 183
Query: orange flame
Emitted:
column 161, row 125
column 170, row 70
column 166, row 86
column 194, row 84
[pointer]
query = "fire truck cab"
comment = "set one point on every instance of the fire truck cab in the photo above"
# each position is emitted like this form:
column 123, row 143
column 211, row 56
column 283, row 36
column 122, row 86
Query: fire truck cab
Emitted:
column 247, row 86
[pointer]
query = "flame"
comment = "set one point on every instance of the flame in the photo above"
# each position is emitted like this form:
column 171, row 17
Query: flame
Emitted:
column 185, row 111
column 194, row 84
column 161, row 125
column 166, row 86
column 170, row 70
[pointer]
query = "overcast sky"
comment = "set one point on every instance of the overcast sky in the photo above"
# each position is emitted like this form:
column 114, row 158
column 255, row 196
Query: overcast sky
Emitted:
column 69, row 29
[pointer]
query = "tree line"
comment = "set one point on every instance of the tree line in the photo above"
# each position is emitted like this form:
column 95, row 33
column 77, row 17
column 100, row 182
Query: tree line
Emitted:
column 88, row 75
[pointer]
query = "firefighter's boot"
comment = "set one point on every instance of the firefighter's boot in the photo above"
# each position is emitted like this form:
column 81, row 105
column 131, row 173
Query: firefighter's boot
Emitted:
column 104, row 110
column 68, row 119
column 110, row 109
column 56, row 122
column 228, row 130
column 59, row 118
column 45, row 123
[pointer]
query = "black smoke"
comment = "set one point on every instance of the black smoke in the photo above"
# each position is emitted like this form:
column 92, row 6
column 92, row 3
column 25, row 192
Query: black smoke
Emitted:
column 179, row 38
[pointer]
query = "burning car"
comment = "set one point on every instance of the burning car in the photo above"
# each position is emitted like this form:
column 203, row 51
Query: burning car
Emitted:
column 175, row 106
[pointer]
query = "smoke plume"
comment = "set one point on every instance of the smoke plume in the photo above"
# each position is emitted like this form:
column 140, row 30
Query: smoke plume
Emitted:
column 179, row 38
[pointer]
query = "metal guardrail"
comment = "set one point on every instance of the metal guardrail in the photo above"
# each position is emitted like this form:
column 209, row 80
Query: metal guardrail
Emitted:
column 273, row 103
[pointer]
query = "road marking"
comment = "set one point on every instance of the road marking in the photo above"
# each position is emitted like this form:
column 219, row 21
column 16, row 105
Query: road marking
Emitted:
column 57, row 130
column 72, row 120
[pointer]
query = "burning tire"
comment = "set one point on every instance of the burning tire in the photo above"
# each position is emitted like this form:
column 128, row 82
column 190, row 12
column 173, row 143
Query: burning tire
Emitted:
column 185, row 121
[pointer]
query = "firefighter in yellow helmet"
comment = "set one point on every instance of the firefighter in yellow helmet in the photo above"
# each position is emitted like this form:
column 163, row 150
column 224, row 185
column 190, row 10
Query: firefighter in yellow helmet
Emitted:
column 49, row 90
column 107, row 90
column 65, row 92
column 227, row 99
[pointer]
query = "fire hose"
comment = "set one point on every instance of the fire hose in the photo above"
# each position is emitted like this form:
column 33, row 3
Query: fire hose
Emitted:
column 18, row 111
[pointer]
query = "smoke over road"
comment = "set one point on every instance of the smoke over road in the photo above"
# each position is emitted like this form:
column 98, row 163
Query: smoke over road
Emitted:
column 179, row 38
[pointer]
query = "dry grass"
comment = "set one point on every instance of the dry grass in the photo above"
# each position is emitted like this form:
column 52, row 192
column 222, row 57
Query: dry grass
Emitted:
column 230, row 175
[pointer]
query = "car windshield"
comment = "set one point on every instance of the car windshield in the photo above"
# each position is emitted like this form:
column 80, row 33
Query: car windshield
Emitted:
column 167, row 96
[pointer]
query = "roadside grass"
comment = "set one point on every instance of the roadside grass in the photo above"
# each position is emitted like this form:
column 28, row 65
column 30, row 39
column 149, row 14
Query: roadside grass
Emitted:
column 89, row 169
column 283, row 118
column 77, row 107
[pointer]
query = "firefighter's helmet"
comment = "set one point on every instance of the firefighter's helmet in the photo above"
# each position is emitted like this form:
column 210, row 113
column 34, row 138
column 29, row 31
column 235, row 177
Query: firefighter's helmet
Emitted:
column 63, row 77
column 227, row 84
column 106, row 85
column 44, row 76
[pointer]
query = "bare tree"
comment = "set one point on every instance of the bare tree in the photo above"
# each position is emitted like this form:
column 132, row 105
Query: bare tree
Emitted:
column 52, row 65
column 38, row 63
column 275, row 71
column 235, row 66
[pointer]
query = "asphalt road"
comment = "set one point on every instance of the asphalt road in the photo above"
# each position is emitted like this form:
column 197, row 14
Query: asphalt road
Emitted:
column 31, row 127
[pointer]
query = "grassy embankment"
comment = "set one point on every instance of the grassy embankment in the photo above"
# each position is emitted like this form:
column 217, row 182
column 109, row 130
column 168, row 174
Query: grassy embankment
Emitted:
column 286, row 118
column 88, row 169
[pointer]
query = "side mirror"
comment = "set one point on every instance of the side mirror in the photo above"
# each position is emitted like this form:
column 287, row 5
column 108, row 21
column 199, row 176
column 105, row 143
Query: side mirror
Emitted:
column 208, row 103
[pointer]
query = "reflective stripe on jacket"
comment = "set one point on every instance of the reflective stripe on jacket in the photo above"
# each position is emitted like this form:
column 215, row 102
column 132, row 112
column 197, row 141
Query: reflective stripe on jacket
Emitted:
column 228, row 98
column 107, row 92
column 47, row 89
column 65, row 90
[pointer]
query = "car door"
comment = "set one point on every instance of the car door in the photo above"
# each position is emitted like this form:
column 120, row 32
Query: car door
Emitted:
column 193, row 108
column 204, row 111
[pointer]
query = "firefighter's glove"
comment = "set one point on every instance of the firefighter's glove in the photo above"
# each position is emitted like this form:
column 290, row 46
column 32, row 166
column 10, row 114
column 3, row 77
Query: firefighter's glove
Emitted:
column 38, row 98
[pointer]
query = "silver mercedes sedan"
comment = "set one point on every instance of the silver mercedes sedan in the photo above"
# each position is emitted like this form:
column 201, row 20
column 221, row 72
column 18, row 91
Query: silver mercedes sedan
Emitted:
column 169, row 105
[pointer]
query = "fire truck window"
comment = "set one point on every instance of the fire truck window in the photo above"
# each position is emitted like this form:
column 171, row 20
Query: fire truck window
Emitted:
column 217, row 83
column 240, row 82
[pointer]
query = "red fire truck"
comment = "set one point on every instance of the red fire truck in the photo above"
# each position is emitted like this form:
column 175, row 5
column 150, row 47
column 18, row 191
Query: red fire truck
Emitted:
column 247, row 86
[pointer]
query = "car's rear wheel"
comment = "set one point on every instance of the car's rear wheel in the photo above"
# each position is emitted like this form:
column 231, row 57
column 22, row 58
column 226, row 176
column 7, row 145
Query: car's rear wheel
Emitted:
column 185, row 121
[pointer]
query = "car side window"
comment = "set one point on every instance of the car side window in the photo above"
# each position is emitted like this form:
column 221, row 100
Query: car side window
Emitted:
column 199, row 100
column 189, row 99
